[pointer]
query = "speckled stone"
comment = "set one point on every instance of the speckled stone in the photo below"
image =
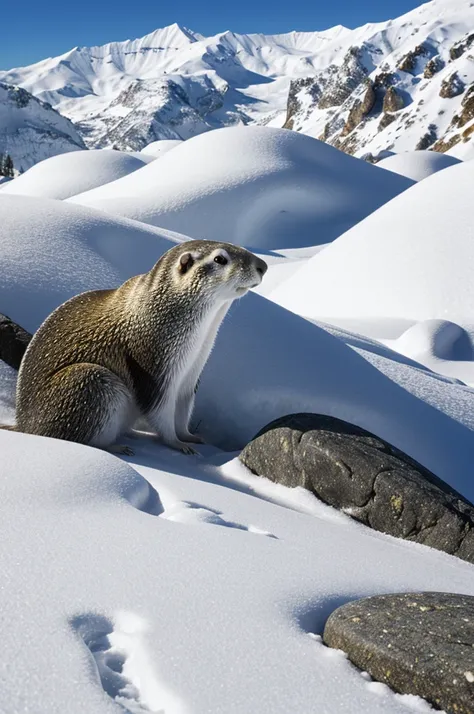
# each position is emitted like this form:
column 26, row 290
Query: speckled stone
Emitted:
column 13, row 341
column 416, row 643
column 368, row 479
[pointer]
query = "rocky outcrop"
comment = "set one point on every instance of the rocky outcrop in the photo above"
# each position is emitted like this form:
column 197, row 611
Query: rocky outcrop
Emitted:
column 416, row 643
column 393, row 100
column 386, row 120
column 428, row 139
column 307, row 84
column 360, row 110
column 409, row 61
column 467, row 108
column 13, row 342
column 373, row 482
column 343, row 80
column 452, row 86
column 459, row 48
column 434, row 65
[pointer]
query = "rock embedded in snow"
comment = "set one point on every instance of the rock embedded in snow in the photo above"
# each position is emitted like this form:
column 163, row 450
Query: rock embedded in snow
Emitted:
column 360, row 474
column 13, row 341
column 417, row 643
column 67, row 174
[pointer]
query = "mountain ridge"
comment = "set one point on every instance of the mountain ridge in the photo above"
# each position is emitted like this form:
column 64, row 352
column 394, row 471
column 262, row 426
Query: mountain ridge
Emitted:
column 175, row 83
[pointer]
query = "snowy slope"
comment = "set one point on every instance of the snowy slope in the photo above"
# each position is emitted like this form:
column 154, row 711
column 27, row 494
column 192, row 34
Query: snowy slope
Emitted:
column 163, row 583
column 31, row 130
column 367, row 89
column 417, row 165
column 67, row 174
column 280, row 189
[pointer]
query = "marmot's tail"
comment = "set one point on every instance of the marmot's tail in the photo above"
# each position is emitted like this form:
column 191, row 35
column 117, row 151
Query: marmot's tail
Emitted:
column 8, row 427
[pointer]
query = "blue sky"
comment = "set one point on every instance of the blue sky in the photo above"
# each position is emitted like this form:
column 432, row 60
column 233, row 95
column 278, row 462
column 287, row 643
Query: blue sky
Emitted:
column 35, row 29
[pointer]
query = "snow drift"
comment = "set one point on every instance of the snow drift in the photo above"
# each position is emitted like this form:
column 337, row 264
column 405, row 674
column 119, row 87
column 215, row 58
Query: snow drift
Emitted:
column 276, row 189
column 417, row 165
column 410, row 259
column 67, row 174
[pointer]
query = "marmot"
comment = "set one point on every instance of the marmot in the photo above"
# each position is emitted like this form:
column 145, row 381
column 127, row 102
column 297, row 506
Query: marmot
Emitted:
column 106, row 357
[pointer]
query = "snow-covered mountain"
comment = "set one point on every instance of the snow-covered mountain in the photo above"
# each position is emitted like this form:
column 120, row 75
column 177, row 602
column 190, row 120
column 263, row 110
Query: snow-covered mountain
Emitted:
column 400, row 84
column 31, row 130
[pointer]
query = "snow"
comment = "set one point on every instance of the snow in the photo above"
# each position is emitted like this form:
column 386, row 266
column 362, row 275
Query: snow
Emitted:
column 277, row 188
column 68, row 174
column 414, row 254
column 158, row 148
column 182, row 584
column 417, row 165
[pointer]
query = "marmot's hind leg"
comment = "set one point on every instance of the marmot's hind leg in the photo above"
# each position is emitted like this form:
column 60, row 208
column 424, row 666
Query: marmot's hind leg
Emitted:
column 85, row 403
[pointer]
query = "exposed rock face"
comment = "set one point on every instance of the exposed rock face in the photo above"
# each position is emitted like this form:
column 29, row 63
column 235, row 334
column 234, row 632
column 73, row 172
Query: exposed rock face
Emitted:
column 357, row 472
column 452, row 86
column 313, row 89
column 360, row 110
column 343, row 80
column 386, row 120
column 417, row 643
column 13, row 342
column 459, row 48
column 427, row 139
column 408, row 62
column 467, row 105
column 393, row 100
column 434, row 65
column 31, row 130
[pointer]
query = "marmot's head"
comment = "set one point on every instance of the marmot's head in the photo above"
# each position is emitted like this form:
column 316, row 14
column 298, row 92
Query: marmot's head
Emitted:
column 217, row 271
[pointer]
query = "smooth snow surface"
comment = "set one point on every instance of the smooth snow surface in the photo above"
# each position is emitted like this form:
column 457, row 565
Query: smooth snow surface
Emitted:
column 276, row 188
column 417, row 165
column 171, row 585
column 411, row 259
column 67, row 174
column 158, row 148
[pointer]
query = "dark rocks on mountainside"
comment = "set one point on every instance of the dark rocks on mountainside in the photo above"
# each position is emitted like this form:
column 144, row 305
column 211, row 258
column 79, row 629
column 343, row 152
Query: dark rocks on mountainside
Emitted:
column 427, row 139
column 467, row 105
column 408, row 62
column 293, row 104
column 459, row 48
column 13, row 341
column 420, row 643
column 452, row 86
column 343, row 80
column 386, row 120
column 355, row 471
column 434, row 65
column 443, row 145
column 393, row 100
column 360, row 110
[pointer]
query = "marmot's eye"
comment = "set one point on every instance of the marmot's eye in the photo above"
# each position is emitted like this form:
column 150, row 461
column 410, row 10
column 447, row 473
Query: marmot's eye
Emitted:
column 221, row 260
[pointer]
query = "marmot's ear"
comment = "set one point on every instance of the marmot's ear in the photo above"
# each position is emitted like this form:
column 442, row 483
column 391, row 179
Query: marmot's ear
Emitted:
column 186, row 261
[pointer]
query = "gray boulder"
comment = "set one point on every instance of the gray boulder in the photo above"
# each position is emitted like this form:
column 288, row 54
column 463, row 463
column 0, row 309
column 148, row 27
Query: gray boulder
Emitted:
column 13, row 341
column 421, row 643
column 364, row 476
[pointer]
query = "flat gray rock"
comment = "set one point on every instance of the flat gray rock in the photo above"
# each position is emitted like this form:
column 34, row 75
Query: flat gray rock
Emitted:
column 368, row 479
column 421, row 643
column 13, row 341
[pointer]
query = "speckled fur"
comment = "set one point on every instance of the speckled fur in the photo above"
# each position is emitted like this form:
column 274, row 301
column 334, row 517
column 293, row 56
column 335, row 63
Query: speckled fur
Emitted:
column 105, row 357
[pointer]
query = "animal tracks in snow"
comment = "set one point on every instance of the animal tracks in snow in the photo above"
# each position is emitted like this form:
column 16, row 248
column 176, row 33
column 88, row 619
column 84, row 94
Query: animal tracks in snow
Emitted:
column 122, row 663
column 194, row 513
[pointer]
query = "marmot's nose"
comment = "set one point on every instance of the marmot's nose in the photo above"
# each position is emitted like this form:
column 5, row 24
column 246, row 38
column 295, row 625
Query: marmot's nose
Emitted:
column 261, row 266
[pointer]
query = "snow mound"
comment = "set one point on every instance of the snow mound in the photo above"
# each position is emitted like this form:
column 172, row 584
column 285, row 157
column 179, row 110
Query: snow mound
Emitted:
column 410, row 259
column 159, row 148
column 77, row 171
column 51, row 250
column 276, row 189
column 136, row 592
column 417, row 165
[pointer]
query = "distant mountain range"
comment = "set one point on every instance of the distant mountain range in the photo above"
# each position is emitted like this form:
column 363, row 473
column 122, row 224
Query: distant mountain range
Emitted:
column 397, row 85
